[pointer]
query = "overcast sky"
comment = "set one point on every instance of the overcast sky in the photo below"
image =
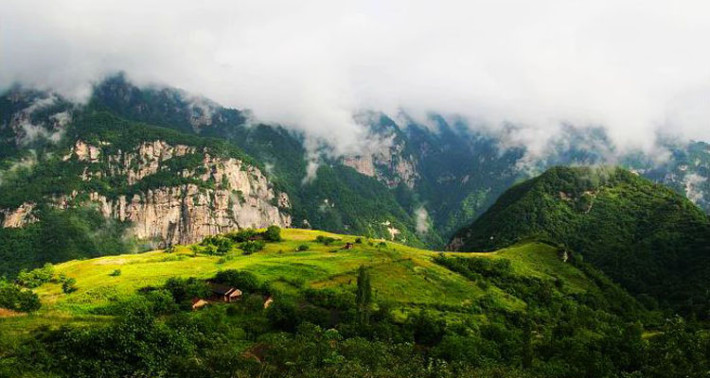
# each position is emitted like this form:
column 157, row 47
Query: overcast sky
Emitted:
column 635, row 67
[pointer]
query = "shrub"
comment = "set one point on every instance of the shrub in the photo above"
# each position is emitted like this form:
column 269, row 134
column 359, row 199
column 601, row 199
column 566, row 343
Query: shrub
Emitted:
column 273, row 234
column 245, row 281
column 325, row 240
column 185, row 289
column 250, row 247
column 36, row 277
column 303, row 247
column 115, row 273
column 217, row 245
column 69, row 285
column 358, row 240
column 12, row 297
column 242, row 235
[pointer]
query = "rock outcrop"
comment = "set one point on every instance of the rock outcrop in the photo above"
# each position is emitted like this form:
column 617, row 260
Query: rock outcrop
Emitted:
column 218, row 194
column 387, row 162
column 18, row 217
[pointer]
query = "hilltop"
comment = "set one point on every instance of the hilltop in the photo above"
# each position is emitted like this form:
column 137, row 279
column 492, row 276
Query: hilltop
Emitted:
column 651, row 240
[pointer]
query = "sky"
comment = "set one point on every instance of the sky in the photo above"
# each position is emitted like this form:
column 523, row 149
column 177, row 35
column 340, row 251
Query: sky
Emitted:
column 637, row 68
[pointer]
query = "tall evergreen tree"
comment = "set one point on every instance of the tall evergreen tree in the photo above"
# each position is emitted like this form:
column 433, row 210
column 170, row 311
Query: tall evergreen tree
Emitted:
column 364, row 294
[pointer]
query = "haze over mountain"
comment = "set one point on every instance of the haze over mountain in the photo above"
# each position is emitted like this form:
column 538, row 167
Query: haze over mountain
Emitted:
column 635, row 70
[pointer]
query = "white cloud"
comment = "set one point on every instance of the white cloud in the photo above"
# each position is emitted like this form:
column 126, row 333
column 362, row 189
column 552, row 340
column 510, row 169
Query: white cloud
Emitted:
column 633, row 67
column 421, row 216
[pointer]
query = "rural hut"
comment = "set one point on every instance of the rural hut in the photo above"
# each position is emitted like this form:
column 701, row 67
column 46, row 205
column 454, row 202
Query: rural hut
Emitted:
column 226, row 293
column 198, row 303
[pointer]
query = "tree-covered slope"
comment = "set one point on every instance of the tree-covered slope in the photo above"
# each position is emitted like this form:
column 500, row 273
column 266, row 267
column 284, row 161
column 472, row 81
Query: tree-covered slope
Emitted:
column 334, row 197
column 321, row 304
column 645, row 236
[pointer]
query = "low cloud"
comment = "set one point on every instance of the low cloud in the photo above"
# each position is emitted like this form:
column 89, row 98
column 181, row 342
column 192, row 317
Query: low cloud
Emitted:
column 635, row 68
column 421, row 216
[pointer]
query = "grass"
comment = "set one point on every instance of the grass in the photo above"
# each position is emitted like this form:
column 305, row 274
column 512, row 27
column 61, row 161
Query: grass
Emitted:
column 402, row 275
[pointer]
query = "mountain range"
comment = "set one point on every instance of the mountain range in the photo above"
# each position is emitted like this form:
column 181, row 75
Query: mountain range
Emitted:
column 157, row 167
column 573, row 260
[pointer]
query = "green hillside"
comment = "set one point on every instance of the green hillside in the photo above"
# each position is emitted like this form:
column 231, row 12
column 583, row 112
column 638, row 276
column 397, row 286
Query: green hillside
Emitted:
column 375, row 309
column 651, row 240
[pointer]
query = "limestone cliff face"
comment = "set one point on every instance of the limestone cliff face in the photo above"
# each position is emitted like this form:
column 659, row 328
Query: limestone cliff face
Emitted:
column 18, row 217
column 222, row 194
column 387, row 162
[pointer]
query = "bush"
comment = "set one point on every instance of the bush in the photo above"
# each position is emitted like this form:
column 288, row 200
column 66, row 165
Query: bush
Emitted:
column 242, row 235
column 303, row 247
column 325, row 240
column 115, row 273
column 273, row 234
column 217, row 245
column 14, row 298
column 69, row 285
column 245, row 281
column 283, row 315
column 250, row 247
column 358, row 240
column 36, row 277
column 185, row 289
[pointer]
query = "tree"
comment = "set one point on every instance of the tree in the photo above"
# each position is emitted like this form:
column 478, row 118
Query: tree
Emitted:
column 245, row 281
column 12, row 297
column 273, row 234
column 363, row 296
column 36, row 277
column 69, row 285
column 250, row 246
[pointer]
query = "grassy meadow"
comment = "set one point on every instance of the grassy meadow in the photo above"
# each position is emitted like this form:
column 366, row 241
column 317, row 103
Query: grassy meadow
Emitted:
column 402, row 275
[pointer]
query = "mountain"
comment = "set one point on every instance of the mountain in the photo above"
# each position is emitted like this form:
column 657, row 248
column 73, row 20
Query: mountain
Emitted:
column 416, row 181
column 650, row 239
column 316, row 304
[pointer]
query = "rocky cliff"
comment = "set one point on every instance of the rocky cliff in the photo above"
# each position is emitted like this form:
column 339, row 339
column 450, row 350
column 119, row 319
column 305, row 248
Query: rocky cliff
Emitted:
column 212, row 195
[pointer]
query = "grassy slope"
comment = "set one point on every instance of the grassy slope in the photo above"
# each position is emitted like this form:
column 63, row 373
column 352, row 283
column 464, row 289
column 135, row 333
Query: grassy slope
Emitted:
column 402, row 275
column 649, row 239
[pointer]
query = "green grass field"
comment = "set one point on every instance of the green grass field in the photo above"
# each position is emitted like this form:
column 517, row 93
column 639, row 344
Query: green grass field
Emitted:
column 404, row 276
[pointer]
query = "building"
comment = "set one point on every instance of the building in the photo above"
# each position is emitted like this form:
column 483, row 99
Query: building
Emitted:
column 225, row 293
column 269, row 300
column 198, row 303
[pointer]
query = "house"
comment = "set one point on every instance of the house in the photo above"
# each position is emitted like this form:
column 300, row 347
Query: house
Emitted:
column 198, row 303
column 348, row 246
column 269, row 300
column 226, row 293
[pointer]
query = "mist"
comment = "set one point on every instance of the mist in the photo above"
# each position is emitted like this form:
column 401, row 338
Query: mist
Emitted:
column 636, row 68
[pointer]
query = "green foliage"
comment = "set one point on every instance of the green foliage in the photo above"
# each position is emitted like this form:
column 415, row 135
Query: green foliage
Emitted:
column 363, row 296
column 69, row 285
column 12, row 297
column 185, row 289
column 325, row 240
column 648, row 238
column 679, row 351
column 217, row 245
column 115, row 273
column 251, row 246
column 36, row 277
column 60, row 236
column 242, row 280
column 272, row 233
column 302, row 247
column 242, row 235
